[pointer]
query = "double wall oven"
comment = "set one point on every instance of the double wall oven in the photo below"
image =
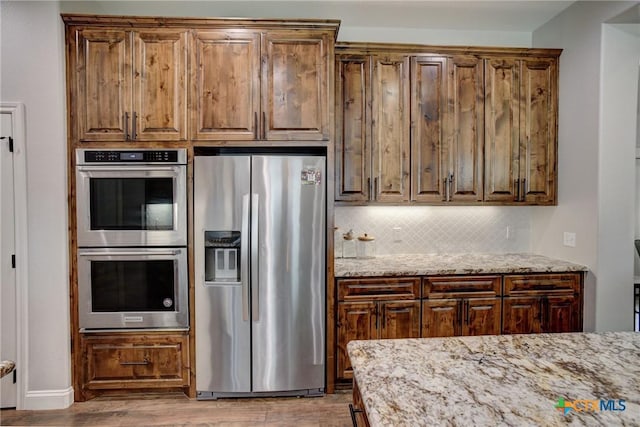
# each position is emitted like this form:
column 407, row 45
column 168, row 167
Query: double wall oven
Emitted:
column 132, row 238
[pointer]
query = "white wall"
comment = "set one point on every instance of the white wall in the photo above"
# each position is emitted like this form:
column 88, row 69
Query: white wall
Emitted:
column 577, row 30
column 32, row 70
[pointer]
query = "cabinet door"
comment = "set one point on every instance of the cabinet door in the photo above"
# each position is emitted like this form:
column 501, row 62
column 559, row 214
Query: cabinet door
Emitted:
column 561, row 314
column 356, row 321
column 466, row 124
column 295, row 85
column 353, row 128
column 521, row 315
column 428, row 106
column 103, row 84
column 502, row 131
column 441, row 318
column 481, row 316
column 140, row 361
column 225, row 80
column 400, row 319
column 538, row 131
column 390, row 128
column 159, row 85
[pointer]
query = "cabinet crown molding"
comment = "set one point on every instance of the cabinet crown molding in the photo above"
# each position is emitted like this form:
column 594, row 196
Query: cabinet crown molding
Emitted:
column 169, row 22
column 419, row 49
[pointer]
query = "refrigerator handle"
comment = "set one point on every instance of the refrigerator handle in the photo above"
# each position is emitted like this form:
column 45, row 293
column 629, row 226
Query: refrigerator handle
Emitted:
column 244, row 257
column 255, row 288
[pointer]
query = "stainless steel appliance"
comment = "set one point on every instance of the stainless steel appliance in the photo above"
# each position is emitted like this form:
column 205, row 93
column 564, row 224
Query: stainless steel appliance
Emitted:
column 260, row 231
column 131, row 197
column 132, row 236
column 133, row 288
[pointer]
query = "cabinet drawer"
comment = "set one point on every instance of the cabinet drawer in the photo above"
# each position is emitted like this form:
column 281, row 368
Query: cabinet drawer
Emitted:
column 542, row 284
column 379, row 288
column 140, row 361
column 461, row 286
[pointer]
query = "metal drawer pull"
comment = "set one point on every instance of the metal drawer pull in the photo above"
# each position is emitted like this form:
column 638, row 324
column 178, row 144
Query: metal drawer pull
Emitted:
column 353, row 412
column 145, row 361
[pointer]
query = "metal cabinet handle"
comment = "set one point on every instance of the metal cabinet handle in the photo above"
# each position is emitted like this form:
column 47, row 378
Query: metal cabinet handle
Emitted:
column 255, row 125
column 451, row 178
column 375, row 187
column 369, row 188
column 516, row 185
column 445, row 189
column 126, row 126
column 144, row 361
column 134, row 133
column 524, row 188
column 466, row 310
column 353, row 411
column 264, row 125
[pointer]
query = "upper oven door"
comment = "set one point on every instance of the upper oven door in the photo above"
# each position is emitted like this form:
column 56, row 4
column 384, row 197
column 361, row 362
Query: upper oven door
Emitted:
column 131, row 205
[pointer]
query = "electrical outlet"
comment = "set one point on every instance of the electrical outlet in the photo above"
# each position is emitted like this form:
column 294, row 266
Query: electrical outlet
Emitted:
column 396, row 234
column 569, row 239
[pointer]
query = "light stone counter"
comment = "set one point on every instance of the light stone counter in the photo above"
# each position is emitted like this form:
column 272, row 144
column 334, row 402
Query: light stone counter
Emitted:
column 514, row 380
column 449, row 264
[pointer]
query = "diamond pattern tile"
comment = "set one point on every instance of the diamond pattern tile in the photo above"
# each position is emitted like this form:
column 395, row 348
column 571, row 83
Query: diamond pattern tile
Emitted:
column 447, row 229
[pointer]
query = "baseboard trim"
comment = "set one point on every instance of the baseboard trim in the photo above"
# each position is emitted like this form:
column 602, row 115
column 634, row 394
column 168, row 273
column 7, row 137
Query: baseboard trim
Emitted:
column 48, row 399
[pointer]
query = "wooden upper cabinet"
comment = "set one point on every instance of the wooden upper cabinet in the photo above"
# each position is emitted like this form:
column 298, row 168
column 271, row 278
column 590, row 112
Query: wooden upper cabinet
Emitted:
column 130, row 85
column 520, row 130
column 295, row 85
column 390, row 128
column 538, row 131
column 429, row 173
column 226, row 85
column 502, row 129
column 466, row 125
column 160, row 85
column 102, row 78
column 261, row 85
column 353, row 128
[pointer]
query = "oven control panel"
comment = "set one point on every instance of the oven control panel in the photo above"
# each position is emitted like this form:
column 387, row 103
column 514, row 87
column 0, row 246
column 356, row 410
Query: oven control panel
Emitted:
column 131, row 156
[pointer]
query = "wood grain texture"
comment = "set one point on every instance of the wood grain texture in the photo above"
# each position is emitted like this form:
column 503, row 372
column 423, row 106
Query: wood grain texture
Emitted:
column 400, row 319
column 440, row 318
column 356, row 321
column 378, row 288
column 295, row 73
column 390, row 128
column 163, row 410
column 461, row 286
column 226, row 85
column 353, row 128
column 428, row 145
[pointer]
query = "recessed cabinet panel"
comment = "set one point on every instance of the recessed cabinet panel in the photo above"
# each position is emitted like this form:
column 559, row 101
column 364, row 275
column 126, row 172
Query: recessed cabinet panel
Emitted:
column 538, row 131
column 440, row 318
column 521, row 315
column 353, row 134
column 103, row 78
column 428, row 115
column 466, row 101
column 159, row 85
column 390, row 128
column 502, row 129
column 226, row 86
column 294, row 86
column 356, row 321
column 400, row 319
column 481, row 316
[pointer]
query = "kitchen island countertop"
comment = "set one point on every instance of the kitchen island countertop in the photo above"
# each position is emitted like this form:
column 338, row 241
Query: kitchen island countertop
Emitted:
column 450, row 264
column 520, row 380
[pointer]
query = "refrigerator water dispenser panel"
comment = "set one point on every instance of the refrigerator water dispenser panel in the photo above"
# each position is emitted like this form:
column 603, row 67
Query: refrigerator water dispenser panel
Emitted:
column 222, row 256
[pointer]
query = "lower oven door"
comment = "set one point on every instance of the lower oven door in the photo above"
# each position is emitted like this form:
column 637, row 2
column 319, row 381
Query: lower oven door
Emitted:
column 132, row 288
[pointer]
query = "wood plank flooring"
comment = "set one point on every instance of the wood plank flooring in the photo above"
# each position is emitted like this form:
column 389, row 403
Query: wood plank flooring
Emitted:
column 331, row 410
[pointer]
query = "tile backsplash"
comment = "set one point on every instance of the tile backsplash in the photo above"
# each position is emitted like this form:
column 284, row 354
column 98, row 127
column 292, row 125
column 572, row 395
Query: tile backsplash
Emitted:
column 448, row 229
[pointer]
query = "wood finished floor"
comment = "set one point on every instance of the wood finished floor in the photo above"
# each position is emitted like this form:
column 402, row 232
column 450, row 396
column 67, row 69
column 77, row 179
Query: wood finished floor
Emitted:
column 330, row 410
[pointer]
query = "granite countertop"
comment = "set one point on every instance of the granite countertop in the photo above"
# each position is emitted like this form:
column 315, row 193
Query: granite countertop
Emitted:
column 6, row 367
column 499, row 380
column 449, row 264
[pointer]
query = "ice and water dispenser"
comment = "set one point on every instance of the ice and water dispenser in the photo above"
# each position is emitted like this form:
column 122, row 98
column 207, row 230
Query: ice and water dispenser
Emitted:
column 222, row 256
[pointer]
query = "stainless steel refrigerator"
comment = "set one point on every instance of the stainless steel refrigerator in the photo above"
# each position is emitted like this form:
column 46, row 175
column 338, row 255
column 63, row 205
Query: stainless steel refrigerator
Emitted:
column 260, row 266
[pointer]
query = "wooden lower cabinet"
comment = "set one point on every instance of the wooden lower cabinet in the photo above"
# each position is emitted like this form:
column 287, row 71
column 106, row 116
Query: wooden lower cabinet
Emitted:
column 374, row 308
column 129, row 361
column 538, row 303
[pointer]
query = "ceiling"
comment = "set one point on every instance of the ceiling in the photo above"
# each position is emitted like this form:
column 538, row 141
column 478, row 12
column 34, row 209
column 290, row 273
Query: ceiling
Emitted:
column 505, row 15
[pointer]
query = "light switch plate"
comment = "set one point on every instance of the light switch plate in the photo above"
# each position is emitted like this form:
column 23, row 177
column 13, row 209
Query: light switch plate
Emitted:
column 569, row 239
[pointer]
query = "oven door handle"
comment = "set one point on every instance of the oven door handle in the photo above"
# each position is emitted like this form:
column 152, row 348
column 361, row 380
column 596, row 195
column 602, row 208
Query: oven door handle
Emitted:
column 129, row 253
column 128, row 168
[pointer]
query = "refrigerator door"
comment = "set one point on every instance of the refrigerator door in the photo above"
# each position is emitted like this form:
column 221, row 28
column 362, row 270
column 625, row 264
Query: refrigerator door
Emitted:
column 288, row 273
column 223, row 327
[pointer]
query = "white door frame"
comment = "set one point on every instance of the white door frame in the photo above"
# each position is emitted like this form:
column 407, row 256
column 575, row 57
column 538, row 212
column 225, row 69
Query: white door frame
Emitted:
column 17, row 111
